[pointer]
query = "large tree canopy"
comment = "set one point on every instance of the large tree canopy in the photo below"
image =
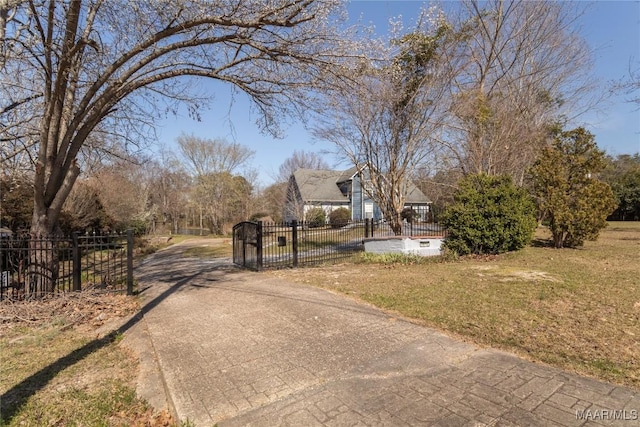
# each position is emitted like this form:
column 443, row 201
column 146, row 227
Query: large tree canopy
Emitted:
column 72, row 69
column 388, row 122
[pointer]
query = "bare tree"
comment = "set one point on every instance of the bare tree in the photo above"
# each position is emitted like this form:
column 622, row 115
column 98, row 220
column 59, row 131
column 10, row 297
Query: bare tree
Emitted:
column 124, row 188
column 631, row 85
column 206, row 156
column 271, row 200
column 388, row 122
column 71, row 68
column 8, row 12
column 440, row 185
column 83, row 210
column 214, row 165
column 523, row 68
column 300, row 160
column 221, row 198
column 92, row 63
column 169, row 189
column 276, row 195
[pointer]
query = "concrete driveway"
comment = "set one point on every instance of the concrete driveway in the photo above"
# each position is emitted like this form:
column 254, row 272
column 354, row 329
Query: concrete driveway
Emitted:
column 234, row 348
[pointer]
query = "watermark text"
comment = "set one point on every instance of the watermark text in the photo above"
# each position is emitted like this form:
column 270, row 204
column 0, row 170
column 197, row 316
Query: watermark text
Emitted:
column 608, row 415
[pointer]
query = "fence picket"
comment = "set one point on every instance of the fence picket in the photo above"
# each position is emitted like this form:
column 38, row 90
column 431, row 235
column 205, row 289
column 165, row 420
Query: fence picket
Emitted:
column 104, row 264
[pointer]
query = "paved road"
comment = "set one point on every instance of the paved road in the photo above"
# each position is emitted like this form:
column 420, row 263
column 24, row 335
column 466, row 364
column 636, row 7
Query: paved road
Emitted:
column 238, row 348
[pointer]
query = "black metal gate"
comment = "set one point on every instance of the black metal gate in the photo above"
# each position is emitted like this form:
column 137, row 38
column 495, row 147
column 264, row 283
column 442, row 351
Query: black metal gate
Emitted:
column 247, row 245
column 259, row 245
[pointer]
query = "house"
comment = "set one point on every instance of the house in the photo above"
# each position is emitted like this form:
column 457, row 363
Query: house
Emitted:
column 330, row 190
column 5, row 232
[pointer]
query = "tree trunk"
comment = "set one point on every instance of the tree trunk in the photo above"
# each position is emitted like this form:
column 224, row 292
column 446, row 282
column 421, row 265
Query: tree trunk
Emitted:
column 558, row 239
column 395, row 223
column 43, row 257
column 43, row 268
column 43, row 251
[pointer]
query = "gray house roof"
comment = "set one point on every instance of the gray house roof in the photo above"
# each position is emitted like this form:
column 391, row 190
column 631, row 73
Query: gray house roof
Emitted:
column 322, row 186
column 319, row 185
column 348, row 174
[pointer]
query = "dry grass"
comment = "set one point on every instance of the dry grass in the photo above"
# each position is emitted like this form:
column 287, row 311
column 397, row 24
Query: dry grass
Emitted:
column 211, row 248
column 577, row 309
column 58, row 368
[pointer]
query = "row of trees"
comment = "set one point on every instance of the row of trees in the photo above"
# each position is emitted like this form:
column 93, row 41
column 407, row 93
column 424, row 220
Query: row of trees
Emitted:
column 489, row 214
column 199, row 189
column 203, row 185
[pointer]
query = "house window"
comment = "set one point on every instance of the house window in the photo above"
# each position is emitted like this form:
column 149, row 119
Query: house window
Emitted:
column 368, row 210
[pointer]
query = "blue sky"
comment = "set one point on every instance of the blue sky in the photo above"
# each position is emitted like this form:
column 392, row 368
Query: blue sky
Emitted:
column 612, row 29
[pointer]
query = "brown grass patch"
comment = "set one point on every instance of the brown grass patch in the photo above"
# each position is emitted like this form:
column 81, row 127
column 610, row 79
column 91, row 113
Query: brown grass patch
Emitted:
column 60, row 366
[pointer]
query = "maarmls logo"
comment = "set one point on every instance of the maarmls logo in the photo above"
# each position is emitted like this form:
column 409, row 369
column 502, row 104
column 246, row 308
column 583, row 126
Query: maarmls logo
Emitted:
column 607, row 414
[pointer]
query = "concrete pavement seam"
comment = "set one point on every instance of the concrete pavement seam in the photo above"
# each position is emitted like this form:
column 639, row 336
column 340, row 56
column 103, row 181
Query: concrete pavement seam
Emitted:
column 168, row 397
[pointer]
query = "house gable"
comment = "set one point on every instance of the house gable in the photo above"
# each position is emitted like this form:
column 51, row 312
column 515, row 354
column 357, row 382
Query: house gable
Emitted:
column 318, row 185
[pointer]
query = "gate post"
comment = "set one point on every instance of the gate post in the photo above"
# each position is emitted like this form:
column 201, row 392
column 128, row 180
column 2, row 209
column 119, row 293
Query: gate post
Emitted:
column 245, row 233
column 129, row 262
column 294, row 242
column 259, row 246
column 76, row 255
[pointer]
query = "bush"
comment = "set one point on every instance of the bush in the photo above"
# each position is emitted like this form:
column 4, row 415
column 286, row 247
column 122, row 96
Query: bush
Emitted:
column 489, row 215
column 409, row 214
column 339, row 218
column 316, row 217
column 257, row 216
column 568, row 192
column 140, row 227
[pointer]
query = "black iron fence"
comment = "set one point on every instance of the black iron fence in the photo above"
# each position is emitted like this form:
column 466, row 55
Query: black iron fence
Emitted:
column 30, row 265
column 259, row 245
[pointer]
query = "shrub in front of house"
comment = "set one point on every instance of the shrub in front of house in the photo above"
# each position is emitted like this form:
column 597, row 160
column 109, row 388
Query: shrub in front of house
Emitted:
column 409, row 214
column 259, row 216
column 489, row 215
column 316, row 217
column 340, row 217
